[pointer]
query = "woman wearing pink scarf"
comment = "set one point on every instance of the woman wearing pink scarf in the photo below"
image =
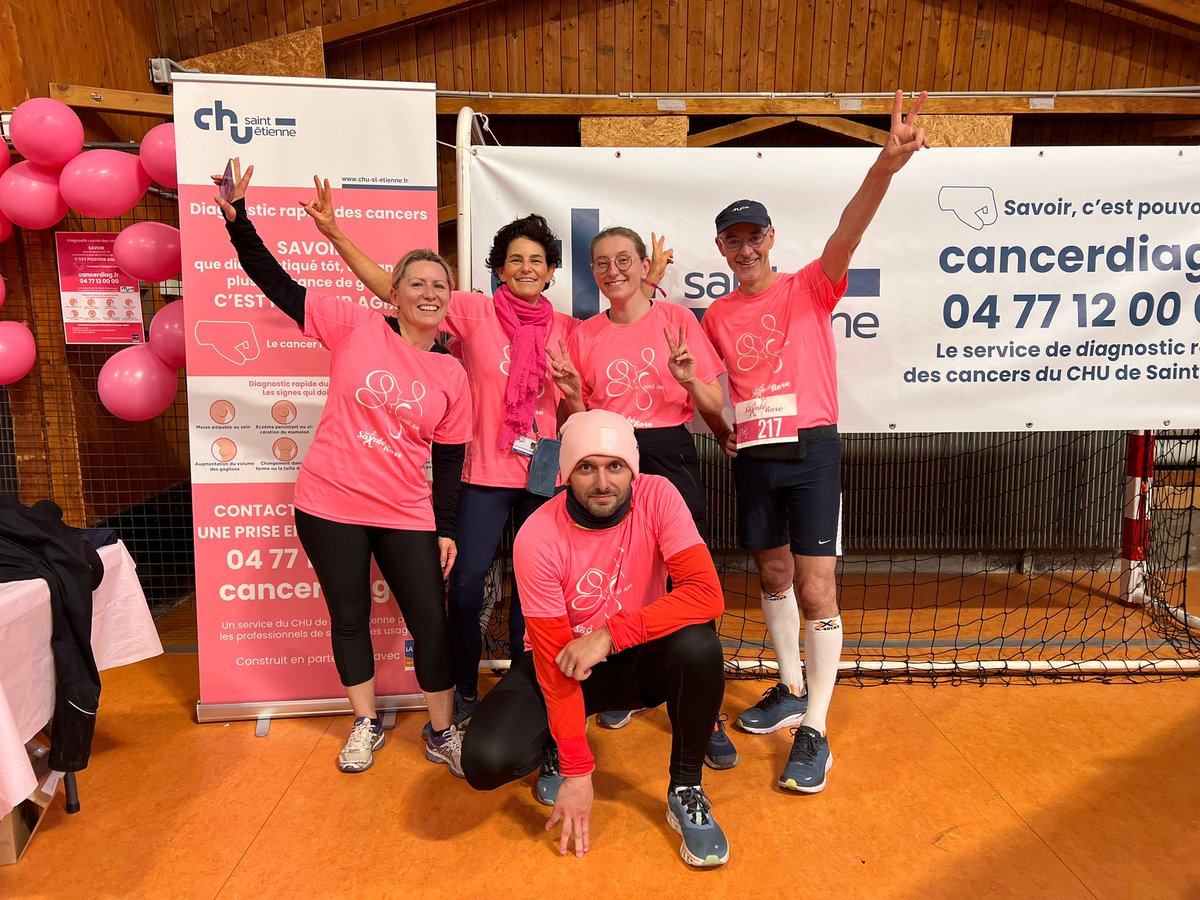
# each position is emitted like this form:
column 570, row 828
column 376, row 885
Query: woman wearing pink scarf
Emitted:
column 502, row 341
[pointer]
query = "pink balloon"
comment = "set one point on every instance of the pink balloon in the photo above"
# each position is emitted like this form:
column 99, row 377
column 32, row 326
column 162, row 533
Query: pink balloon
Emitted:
column 136, row 385
column 149, row 251
column 5, row 228
column 158, row 154
column 3, row 291
column 17, row 352
column 5, row 160
column 168, row 339
column 29, row 196
column 46, row 132
column 103, row 184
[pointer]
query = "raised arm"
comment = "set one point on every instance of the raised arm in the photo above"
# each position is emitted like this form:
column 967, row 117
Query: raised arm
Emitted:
column 262, row 268
column 904, row 139
column 369, row 272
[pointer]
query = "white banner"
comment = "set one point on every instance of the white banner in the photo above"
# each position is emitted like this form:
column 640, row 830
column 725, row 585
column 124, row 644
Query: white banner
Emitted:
column 998, row 289
column 256, row 384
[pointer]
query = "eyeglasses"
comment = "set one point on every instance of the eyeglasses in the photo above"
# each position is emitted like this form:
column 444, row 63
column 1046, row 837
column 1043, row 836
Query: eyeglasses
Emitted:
column 734, row 245
column 622, row 262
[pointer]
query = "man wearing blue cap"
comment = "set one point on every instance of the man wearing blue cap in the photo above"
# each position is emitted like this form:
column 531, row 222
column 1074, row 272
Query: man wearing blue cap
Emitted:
column 775, row 337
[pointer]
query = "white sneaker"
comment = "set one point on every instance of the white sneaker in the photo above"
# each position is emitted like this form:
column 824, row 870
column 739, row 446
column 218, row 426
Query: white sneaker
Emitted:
column 365, row 738
column 446, row 750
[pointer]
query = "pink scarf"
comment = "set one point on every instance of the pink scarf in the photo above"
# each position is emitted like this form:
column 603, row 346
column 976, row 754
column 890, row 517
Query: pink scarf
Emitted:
column 527, row 326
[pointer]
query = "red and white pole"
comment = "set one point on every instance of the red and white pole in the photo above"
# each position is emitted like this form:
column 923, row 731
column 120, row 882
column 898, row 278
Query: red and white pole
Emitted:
column 1135, row 528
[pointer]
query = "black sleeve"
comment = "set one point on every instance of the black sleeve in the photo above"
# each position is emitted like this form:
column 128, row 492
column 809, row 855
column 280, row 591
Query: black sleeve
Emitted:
column 447, row 479
column 264, row 270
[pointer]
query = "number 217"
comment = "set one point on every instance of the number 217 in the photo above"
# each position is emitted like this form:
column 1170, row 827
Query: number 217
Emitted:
column 769, row 428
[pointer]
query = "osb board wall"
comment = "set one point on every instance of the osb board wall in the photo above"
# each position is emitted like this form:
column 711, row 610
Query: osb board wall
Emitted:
column 633, row 131
column 607, row 46
column 299, row 54
column 968, row 131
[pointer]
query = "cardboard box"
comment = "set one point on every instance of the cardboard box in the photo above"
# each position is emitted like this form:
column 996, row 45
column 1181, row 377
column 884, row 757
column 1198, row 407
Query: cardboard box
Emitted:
column 18, row 827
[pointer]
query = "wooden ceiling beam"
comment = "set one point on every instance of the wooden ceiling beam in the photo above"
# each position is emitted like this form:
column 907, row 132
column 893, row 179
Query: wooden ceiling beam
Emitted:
column 812, row 106
column 755, row 124
column 159, row 105
column 847, row 127
column 726, row 133
column 131, row 103
column 357, row 26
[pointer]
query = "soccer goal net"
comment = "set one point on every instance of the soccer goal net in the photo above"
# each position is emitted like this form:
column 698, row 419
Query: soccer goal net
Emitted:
column 997, row 555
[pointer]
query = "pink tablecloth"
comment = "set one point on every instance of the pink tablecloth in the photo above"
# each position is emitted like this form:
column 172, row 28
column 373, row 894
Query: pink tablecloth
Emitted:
column 122, row 632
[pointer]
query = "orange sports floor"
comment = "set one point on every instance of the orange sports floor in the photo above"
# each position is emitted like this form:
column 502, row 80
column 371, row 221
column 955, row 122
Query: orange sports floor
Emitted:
column 1057, row 790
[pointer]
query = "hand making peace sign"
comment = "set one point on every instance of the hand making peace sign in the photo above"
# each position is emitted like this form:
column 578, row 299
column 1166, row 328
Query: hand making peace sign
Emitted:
column 562, row 370
column 680, row 361
column 320, row 209
column 905, row 138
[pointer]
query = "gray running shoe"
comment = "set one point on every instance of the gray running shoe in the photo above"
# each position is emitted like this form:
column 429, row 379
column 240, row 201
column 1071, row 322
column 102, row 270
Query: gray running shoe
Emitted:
column 446, row 749
column 614, row 719
column 808, row 762
column 365, row 738
column 550, row 779
column 690, row 813
column 721, row 754
column 777, row 709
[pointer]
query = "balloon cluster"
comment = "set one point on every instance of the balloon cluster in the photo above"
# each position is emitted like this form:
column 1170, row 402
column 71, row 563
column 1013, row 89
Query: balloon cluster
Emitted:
column 57, row 174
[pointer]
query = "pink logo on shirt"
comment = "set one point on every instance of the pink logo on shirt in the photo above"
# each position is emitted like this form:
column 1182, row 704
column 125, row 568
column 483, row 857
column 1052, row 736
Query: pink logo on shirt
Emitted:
column 625, row 377
column 382, row 392
column 753, row 349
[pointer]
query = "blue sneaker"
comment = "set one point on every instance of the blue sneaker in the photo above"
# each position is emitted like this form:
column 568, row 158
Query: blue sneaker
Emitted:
column 614, row 719
column 777, row 709
column 808, row 762
column 721, row 753
column 690, row 813
column 464, row 709
column 550, row 779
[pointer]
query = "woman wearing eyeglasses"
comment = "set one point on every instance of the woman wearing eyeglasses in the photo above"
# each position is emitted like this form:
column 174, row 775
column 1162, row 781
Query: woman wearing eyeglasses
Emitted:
column 650, row 361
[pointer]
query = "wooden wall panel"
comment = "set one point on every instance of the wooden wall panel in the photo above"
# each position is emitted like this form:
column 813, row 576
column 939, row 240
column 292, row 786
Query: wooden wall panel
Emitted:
column 610, row 46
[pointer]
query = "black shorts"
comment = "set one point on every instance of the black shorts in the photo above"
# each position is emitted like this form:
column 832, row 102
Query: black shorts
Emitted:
column 797, row 502
column 671, row 453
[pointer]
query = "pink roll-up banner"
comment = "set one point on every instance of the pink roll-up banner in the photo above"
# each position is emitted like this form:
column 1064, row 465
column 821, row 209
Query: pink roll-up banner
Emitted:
column 256, row 384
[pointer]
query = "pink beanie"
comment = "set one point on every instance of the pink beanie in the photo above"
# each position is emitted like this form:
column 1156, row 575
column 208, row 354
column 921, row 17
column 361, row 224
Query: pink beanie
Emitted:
column 596, row 432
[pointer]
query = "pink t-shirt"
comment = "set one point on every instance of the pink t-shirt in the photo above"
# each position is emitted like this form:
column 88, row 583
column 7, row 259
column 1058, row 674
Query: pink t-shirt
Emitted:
column 387, row 403
column 779, row 351
column 484, row 347
column 624, row 367
column 589, row 576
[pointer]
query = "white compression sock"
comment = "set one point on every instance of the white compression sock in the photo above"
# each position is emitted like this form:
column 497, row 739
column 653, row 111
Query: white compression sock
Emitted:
column 822, row 653
column 783, row 624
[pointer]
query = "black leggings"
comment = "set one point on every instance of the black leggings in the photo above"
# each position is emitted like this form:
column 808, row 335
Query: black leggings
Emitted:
column 671, row 453
column 509, row 729
column 483, row 512
column 410, row 564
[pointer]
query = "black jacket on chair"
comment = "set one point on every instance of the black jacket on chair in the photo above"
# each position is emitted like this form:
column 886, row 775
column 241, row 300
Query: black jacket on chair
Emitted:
column 34, row 543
